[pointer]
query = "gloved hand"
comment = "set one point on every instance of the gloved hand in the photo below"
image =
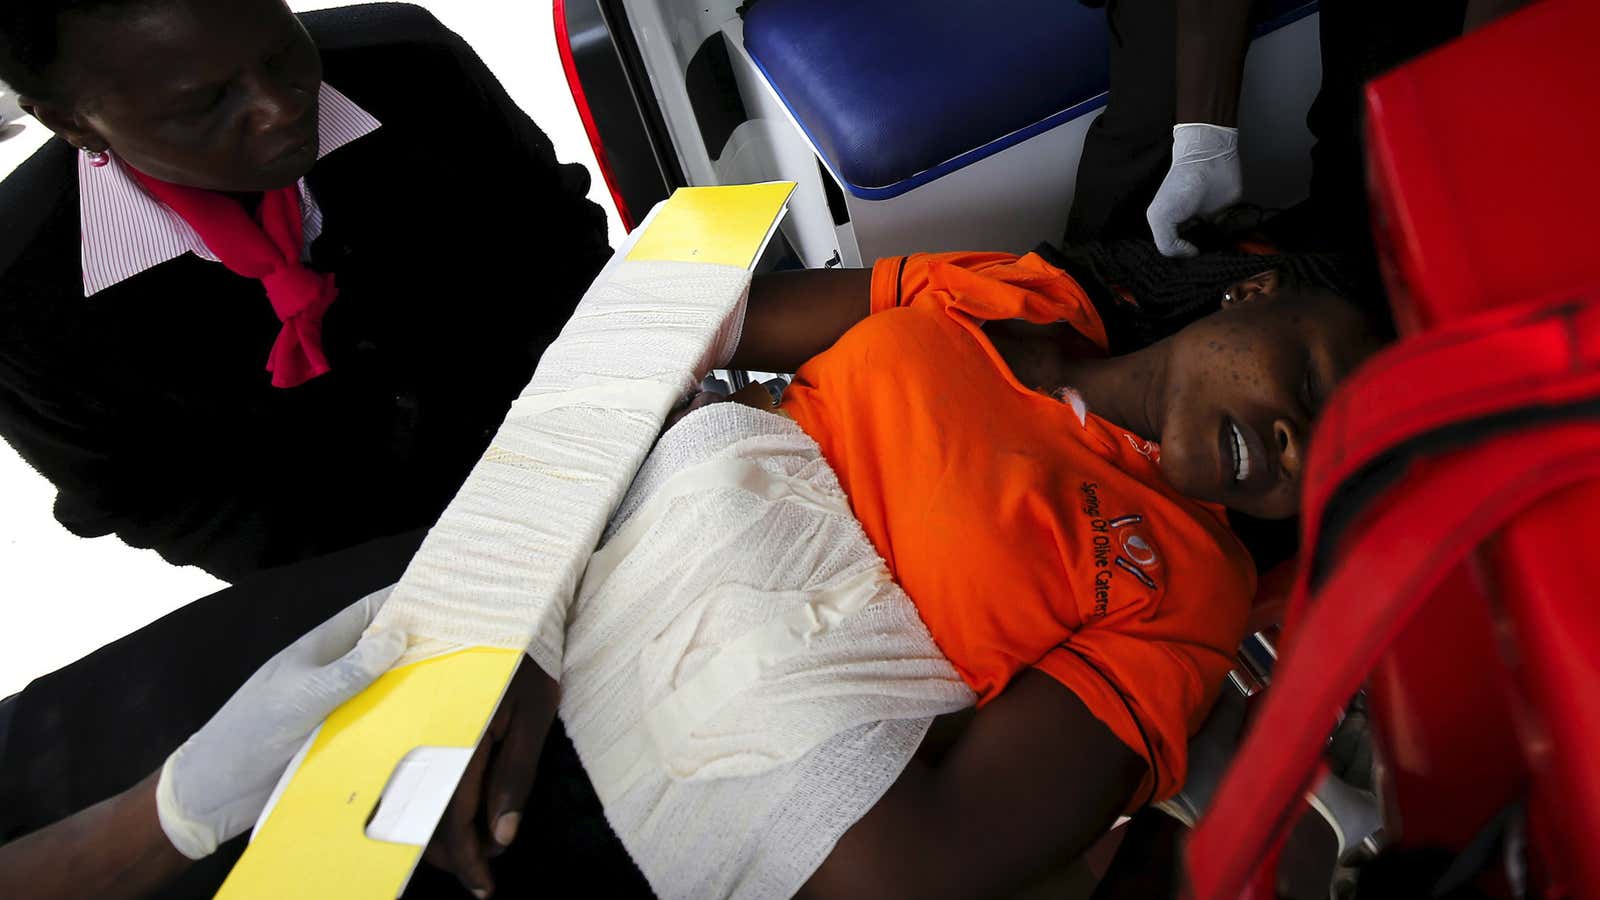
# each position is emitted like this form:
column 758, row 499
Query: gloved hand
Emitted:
column 214, row 786
column 1204, row 178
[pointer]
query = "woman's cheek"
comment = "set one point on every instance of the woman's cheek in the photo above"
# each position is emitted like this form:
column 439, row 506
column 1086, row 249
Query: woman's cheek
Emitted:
column 1184, row 468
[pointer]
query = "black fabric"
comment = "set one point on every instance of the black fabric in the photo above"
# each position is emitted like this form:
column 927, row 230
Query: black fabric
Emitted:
column 1130, row 146
column 1361, row 39
column 460, row 250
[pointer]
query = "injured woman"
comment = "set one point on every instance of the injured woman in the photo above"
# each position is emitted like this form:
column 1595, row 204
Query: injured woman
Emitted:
column 929, row 623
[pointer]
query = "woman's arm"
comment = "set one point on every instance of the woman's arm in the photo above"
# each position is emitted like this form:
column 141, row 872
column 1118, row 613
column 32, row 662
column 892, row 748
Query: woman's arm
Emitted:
column 113, row 849
column 793, row 316
column 1213, row 37
column 1034, row 780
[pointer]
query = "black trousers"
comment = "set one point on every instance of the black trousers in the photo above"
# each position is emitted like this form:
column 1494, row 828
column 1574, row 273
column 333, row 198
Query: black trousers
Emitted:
column 1129, row 148
column 100, row 725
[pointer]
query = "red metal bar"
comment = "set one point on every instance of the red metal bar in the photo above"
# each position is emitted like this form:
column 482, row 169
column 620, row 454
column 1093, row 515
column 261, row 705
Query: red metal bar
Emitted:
column 564, row 46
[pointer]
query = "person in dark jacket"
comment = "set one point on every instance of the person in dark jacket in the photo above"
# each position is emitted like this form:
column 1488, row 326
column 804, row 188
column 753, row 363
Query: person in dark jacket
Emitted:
column 266, row 297
column 373, row 220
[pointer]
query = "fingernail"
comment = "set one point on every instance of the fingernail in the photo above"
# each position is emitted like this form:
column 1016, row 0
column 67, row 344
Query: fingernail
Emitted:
column 481, row 893
column 505, row 828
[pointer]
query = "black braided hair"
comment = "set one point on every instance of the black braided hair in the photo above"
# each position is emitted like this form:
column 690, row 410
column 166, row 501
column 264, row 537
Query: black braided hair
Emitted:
column 1144, row 296
column 30, row 32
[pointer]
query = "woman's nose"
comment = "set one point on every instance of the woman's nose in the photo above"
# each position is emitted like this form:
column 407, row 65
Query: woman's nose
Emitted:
column 1291, row 445
column 278, row 104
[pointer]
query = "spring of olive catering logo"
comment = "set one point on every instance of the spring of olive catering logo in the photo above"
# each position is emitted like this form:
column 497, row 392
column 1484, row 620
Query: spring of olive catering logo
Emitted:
column 1116, row 543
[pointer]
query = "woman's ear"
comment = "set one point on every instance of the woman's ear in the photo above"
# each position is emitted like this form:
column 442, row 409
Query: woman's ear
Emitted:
column 64, row 122
column 1256, row 287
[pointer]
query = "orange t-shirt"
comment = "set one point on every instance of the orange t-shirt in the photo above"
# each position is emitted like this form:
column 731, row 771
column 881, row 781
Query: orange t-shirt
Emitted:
column 1025, row 534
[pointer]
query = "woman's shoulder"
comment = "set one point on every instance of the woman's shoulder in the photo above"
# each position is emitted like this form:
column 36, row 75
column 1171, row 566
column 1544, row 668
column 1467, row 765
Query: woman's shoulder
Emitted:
column 41, row 273
column 396, row 60
column 40, row 200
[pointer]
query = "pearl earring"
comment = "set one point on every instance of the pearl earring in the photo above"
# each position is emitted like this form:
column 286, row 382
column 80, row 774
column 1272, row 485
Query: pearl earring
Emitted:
column 97, row 158
column 1227, row 296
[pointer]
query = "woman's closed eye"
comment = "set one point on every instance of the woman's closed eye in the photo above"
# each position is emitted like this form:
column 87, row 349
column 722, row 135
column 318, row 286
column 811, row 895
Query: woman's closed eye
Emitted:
column 283, row 55
column 199, row 104
column 1311, row 393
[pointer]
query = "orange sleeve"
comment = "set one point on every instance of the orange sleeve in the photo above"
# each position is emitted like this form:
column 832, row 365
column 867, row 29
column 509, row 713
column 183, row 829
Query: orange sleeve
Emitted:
column 897, row 280
column 987, row 286
column 1152, row 694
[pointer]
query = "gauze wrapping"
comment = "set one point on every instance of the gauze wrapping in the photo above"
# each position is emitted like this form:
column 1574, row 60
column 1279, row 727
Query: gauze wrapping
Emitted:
column 743, row 680
column 501, row 565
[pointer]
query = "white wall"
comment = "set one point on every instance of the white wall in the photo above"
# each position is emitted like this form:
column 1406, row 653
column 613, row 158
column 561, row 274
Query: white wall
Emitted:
column 61, row 596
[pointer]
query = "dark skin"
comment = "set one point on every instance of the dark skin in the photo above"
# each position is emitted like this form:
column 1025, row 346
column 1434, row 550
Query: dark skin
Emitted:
column 115, row 848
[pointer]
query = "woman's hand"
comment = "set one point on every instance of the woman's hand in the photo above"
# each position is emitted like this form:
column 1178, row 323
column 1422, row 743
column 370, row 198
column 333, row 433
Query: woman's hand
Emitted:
column 215, row 785
column 1204, row 178
column 483, row 816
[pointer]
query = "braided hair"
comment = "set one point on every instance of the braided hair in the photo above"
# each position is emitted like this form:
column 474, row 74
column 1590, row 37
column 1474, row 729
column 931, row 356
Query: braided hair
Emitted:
column 1143, row 296
column 30, row 37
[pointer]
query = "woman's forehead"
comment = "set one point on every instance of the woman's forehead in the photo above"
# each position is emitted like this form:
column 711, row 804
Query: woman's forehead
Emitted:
column 167, row 46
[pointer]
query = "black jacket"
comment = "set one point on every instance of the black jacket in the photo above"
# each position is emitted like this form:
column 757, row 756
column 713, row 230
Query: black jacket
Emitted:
column 460, row 247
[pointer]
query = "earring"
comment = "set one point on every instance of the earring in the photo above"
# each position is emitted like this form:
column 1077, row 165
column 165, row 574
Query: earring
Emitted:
column 1227, row 296
column 97, row 158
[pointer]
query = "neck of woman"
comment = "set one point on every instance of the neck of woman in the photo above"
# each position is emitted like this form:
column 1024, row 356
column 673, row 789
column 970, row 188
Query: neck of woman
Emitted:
column 1127, row 390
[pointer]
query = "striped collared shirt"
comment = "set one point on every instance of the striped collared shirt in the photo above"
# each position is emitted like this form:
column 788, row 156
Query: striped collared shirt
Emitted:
column 126, row 231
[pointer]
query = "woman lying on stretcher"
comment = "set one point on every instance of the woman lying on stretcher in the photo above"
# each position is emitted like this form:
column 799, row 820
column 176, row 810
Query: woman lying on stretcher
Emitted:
column 1053, row 510
column 1056, row 514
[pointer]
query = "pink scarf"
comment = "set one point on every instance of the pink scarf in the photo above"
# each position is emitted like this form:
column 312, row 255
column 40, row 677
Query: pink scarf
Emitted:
column 266, row 248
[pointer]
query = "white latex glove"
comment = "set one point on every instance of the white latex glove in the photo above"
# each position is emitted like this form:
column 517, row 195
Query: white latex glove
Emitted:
column 1204, row 178
column 214, row 786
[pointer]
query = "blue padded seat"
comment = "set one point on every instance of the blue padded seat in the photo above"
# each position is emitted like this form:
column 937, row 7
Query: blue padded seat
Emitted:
column 896, row 93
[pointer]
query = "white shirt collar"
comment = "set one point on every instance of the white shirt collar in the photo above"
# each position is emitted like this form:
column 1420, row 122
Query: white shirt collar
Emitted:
column 125, row 231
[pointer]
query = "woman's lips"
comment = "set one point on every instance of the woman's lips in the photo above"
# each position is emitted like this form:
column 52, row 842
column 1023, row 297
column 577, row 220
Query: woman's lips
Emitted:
column 301, row 137
column 1241, row 457
column 1241, row 447
column 290, row 151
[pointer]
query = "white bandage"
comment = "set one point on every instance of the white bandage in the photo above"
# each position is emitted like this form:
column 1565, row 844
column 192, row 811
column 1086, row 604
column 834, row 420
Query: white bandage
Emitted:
column 742, row 679
column 501, row 566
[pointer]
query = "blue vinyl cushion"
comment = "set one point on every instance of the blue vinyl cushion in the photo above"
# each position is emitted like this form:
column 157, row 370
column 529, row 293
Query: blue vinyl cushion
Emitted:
column 896, row 93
